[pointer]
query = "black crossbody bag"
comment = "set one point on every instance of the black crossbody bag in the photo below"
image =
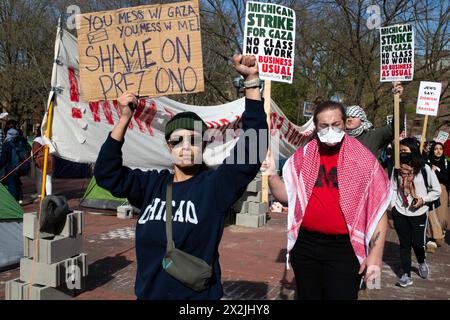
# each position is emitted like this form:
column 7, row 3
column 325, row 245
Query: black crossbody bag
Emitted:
column 193, row 272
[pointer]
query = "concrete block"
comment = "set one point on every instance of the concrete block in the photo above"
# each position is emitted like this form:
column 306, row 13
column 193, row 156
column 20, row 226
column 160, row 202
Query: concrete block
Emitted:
column 53, row 250
column 39, row 292
column 253, row 221
column 255, row 208
column 244, row 208
column 69, row 229
column 256, row 198
column 72, row 227
column 255, row 186
column 44, row 274
column 74, row 224
column 28, row 247
column 29, row 225
column 80, row 221
column 125, row 212
column 13, row 289
column 19, row 290
column 52, row 275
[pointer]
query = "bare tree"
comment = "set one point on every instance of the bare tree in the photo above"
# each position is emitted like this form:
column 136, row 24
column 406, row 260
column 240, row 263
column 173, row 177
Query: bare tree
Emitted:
column 26, row 43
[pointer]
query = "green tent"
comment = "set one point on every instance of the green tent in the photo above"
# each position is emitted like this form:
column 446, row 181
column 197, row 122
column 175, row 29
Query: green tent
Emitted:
column 11, row 242
column 9, row 207
column 99, row 198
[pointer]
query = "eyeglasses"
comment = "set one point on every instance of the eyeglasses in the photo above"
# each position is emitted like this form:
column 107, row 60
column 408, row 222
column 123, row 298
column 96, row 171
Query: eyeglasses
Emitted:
column 178, row 140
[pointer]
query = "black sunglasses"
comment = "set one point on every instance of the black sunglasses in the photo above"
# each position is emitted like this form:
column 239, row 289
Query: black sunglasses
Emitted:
column 179, row 139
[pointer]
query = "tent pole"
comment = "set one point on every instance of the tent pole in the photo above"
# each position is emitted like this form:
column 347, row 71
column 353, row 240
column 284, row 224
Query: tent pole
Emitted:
column 47, row 136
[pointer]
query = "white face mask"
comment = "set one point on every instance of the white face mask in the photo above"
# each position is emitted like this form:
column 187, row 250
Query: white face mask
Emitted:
column 331, row 136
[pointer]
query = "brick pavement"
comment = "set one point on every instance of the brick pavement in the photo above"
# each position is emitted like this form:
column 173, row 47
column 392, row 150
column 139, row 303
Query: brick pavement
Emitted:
column 252, row 260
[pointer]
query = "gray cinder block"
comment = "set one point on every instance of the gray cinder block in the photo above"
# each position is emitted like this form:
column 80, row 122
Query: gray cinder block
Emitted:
column 53, row 250
column 255, row 186
column 52, row 275
column 244, row 208
column 253, row 221
column 255, row 208
column 256, row 198
column 28, row 247
column 20, row 290
column 125, row 212
column 40, row 273
column 39, row 292
column 13, row 289
column 74, row 224
column 29, row 225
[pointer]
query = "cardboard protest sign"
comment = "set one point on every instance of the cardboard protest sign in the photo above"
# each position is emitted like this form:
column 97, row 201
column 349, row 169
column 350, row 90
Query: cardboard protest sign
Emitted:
column 442, row 137
column 428, row 98
column 152, row 50
column 397, row 53
column 270, row 35
column 308, row 109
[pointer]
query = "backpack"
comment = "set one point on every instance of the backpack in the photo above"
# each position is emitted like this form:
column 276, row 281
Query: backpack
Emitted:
column 436, row 203
column 19, row 153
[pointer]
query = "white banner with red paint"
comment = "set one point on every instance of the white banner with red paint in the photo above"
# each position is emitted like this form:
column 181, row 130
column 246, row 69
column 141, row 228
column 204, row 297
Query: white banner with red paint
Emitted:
column 79, row 128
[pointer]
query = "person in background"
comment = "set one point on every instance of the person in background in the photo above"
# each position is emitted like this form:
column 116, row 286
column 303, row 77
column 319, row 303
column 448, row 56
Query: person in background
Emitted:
column 10, row 124
column 438, row 218
column 409, row 207
column 15, row 151
column 359, row 127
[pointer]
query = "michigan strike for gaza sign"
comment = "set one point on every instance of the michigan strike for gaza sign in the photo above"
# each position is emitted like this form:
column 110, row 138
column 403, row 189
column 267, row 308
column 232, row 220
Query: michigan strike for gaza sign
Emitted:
column 270, row 36
column 152, row 50
column 397, row 53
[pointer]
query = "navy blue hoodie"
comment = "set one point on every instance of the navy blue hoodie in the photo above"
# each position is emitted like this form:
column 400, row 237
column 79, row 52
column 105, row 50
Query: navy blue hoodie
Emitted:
column 199, row 208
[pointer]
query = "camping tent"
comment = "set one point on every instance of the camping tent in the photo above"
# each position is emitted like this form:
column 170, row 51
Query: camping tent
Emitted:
column 11, row 242
column 99, row 198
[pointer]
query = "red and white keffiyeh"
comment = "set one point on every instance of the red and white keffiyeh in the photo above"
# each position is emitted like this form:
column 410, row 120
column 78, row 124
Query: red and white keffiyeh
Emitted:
column 364, row 190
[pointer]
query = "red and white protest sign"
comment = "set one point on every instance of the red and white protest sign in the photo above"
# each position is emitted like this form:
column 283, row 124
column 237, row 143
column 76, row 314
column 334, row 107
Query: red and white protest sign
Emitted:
column 428, row 98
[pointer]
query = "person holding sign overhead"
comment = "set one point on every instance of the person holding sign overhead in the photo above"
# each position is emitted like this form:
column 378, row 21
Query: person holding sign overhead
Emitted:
column 361, row 128
column 201, row 197
column 337, row 194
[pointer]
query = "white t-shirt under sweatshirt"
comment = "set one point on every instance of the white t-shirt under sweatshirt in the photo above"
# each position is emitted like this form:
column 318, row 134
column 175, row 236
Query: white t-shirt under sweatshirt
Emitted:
column 421, row 191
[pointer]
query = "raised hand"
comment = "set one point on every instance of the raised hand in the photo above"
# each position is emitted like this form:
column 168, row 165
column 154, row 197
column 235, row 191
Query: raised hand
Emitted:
column 246, row 66
column 124, row 102
column 397, row 87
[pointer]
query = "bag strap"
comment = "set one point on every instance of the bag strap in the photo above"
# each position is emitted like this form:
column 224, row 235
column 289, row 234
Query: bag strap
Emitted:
column 425, row 178
column 170, row 243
